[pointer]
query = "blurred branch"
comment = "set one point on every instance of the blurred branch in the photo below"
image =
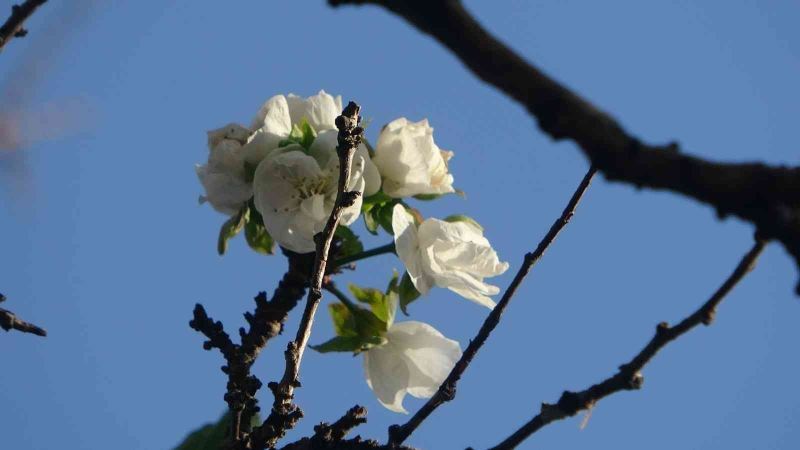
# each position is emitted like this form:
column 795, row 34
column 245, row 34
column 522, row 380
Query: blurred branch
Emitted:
column 447, row 390
column 767, row 196
column 19, row 14
column 9, row 321
column 629, row 377
column 284, row 412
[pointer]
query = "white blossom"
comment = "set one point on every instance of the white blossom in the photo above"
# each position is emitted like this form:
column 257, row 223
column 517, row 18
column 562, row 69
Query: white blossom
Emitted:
column 410, row 161
column 223, row 176
column 455, row 256
column 295, row 193
column 415, row 359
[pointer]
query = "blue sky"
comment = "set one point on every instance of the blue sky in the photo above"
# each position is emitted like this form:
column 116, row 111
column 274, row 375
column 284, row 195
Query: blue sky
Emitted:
column 104, row 243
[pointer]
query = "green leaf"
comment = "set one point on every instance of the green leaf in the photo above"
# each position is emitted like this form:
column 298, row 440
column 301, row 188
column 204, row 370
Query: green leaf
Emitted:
column 462, row 218
column 231, row 228
column 343, row 321
column 256, row 233
column 211, row 436
column 407, row 292
column 377, row 198
column 377, row 302
column 340, row 344
column 350, row 244
column 368, row 324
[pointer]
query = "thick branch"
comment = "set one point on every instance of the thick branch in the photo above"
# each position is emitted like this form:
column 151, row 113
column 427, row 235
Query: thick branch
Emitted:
column 19, row 14
column 629, row 377
column 767, row 196
column 350, row 135
column 9, row 321
column 447, row 391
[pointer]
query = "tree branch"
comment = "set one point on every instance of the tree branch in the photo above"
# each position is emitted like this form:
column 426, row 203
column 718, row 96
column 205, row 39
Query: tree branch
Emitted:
column 265, row 323
column 629, row 377
column 19, row 14
column 447, row 391
column 767, row 196
column 332, row 436
column 9, row 321
column 283, row 409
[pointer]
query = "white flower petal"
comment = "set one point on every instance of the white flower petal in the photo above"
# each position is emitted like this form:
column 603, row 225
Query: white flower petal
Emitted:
column 407, row 248
column 372, row 177
column 225, row 192
column 387, row 375
column 320, row 110
column 231, row 131
column 430, row 355
column 273, row 117
column 280, row 188
column 409, row 160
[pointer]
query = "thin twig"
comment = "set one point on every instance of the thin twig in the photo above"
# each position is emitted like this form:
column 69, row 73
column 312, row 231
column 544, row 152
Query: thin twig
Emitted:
column 19, row 14
column 629, row 377
column 388, row 248
column 447, row 390
column 350, row 135
column 332, row 436
column 767, row 196
column 9, row 321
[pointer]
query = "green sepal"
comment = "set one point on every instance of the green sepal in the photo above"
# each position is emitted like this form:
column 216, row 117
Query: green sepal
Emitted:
column 231, row 228
column 302, row 133
column 462, row 218
column 407, row 292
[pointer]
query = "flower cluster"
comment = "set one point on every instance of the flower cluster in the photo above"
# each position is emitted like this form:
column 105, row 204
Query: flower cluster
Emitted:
column 277, row 181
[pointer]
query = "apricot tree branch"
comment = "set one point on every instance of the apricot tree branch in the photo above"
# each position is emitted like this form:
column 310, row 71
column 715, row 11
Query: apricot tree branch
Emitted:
column 9, row 321
column 19, row 14
column 767, row 196
column 264, row 323
column 629, row 377
column 447, row 390
column 275, row 426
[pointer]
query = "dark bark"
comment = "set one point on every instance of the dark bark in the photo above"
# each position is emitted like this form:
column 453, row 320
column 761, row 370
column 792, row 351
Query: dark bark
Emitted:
column 767, row 196
column 629, row 377
column 19, row 14
column 447, row 391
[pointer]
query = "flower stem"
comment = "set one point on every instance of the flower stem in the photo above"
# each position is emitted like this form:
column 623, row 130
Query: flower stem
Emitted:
column 330, row 287
column 388, row 248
